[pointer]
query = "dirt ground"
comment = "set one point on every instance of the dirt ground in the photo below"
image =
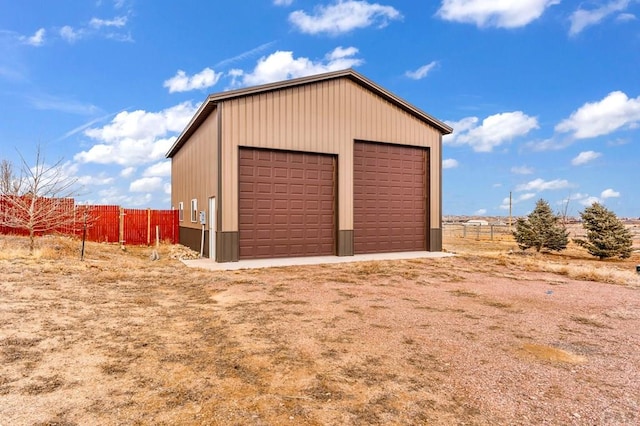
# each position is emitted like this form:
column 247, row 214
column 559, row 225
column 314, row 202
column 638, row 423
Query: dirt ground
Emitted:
column 487, row 337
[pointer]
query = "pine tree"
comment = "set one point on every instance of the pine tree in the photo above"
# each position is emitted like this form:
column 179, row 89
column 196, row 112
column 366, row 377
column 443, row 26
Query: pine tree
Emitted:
column 606, row 234
column 541, row 229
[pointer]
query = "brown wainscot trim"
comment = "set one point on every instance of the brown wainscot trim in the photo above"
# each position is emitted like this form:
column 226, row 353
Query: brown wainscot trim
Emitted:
column 345, row 242
column 190, row 237
column 227, row 247
column 435, row 240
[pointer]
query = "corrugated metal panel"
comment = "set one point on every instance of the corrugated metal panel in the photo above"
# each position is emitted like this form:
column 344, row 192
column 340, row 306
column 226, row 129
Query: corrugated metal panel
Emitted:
column 324, row 117
column 194, row 170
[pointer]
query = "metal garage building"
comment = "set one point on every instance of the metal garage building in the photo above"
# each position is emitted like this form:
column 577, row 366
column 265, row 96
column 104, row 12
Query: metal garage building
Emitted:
column 330, row 164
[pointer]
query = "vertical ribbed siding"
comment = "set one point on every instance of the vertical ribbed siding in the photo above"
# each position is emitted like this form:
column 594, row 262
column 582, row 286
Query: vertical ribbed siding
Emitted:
column 194, row 170
column 324, row 117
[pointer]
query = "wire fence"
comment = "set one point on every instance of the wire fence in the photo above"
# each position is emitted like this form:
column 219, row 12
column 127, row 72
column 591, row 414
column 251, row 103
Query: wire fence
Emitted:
column 476, row 231
column 491, row 232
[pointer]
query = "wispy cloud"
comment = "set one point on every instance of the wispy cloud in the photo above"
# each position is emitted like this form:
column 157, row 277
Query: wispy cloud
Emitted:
column 585, row 157
column 522, row 170
column 69, row 34
column 343, row 17
column 107, row 28
column 44, row 101
column 421, row 72
column 244, row 55
column 539, row 185
column 492, row 13
column 583, row 18
column 509, row 202
column 37, row 39
column 587, row 200
column 118, row 22
column 83, row 127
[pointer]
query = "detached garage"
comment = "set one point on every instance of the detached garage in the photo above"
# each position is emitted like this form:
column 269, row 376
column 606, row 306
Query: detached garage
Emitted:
column 330, row 164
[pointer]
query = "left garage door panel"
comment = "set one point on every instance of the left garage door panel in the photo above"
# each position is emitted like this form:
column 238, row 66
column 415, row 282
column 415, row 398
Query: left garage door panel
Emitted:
column 286, row 203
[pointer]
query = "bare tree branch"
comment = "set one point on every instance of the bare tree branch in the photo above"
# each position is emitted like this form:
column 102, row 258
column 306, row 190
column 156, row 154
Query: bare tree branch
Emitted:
column 40, row 200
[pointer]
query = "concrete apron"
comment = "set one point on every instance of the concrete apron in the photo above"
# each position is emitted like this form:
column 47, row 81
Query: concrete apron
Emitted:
column 205, row 263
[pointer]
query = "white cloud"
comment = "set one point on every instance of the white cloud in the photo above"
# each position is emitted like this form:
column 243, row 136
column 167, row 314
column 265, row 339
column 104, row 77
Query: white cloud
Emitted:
column 526, row 196
column 552, row 143
column 585, row 157
column 612, row 113
column 69, row 34
column 494, row 131
column 449, row 163
column 137, row 137
column 100, row 179
column 282, row 2
column 587, row 200
column 609, row 193
column 480, row 212
column 116, row 196
column 244, row 55
column 112, row 29
column 127, row 172
column 626, row 17
column 118, row 22
column 539, row 185
column 282, row 66
column 522, row 170
column 344, row 16
column 581, row 18
column 181, row 82
column 44, row 101
column 162, row 168
column 146, row 184
column 421, row 72
column 167, row 188
column 519, row 199
column 494, row 13
column 37, row 39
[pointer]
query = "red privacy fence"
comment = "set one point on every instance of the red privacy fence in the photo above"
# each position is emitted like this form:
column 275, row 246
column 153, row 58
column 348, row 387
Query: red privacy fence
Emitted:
column 111, row 224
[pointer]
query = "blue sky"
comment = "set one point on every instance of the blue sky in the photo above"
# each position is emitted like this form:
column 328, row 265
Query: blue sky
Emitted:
column 544, row 95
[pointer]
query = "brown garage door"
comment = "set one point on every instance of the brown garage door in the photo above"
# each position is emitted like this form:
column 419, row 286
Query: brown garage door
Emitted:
column 286, row 204
column 390, row 187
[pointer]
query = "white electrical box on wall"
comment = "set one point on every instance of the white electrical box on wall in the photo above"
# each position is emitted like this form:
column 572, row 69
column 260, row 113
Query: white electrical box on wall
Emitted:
column 203, row 218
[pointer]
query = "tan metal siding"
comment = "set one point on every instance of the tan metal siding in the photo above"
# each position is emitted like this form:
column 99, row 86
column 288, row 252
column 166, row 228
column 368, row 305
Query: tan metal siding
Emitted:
column 324, row 117
column 194, row 170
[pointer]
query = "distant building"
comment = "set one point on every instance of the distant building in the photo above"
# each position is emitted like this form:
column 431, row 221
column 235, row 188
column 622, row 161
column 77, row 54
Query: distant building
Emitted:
column 476, row 222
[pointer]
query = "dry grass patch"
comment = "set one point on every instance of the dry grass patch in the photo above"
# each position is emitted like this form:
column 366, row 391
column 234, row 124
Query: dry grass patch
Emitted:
column 464, row 293
column 550, row 353
column 121, row 339
column 589, row 321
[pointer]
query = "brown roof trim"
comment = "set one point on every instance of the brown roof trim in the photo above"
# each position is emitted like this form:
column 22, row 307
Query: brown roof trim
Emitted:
column 210, row 104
